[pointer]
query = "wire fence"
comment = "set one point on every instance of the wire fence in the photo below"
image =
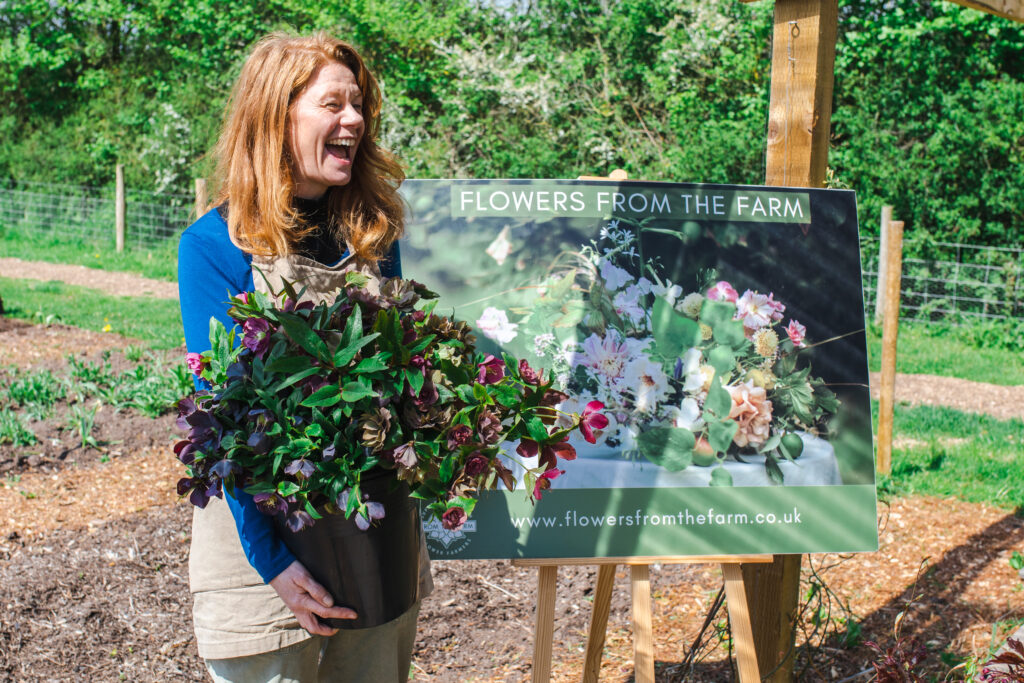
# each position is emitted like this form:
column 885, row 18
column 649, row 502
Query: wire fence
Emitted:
column 78, row 212
column 951, row 282
column 943, row 282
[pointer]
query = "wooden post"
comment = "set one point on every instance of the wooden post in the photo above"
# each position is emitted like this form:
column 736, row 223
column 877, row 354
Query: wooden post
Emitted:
column 799, row 121
column 201, row 197
column 890, row 331
column 643, row 625
column 880, row 284
column 547, row 577
column 119, row 208
column 598, row 622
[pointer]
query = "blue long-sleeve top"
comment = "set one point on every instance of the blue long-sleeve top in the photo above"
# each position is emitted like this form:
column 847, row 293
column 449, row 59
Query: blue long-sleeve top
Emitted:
column 210, row 269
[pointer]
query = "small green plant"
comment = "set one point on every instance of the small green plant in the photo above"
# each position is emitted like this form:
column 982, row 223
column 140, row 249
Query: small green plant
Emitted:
column 133, row 353
column 36, row 392
column 82, row 421
column 13, row 430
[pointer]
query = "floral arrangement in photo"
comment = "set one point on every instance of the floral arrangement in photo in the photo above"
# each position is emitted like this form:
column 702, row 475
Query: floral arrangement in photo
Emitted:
column 315, row 395
column 687, row 378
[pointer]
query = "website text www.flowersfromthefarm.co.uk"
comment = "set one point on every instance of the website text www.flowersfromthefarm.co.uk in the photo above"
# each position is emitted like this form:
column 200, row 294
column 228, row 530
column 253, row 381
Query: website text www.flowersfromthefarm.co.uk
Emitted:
column 708, row 517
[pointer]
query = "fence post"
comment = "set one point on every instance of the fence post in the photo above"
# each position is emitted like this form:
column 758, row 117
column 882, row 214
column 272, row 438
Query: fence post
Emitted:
column 119, row 208
column 880, row 283
column 890, row 331
column 201, row 197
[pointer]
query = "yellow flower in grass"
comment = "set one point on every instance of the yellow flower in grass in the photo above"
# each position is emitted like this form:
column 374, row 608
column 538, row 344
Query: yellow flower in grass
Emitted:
column 766, row 342
column 107, row 327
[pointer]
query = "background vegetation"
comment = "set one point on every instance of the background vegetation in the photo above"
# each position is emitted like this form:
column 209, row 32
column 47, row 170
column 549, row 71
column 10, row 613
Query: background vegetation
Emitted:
column 929, row 96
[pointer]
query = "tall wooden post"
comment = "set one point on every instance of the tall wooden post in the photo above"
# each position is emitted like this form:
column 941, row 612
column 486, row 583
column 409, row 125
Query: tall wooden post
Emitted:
column 890, row 331
column 800, row 114
column 201, row 197
column 119, row 208
column 883, row 241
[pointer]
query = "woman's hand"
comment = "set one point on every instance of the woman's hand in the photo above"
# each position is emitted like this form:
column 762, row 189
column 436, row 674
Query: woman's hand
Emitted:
column 307, row 600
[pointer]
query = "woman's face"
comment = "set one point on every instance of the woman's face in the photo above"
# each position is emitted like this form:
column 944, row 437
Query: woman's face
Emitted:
column 326, row 125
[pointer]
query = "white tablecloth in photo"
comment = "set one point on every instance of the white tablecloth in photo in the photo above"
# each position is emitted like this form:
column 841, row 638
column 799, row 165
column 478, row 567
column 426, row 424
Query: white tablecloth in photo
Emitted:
column 817, row 466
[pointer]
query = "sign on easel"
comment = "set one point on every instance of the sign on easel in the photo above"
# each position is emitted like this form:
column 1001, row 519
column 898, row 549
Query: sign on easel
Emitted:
column 721, row 326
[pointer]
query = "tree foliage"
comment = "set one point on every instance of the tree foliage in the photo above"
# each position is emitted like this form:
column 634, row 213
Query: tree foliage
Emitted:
column 928, row 115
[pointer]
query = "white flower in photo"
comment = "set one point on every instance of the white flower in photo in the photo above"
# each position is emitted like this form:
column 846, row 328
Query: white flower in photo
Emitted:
column 606, row 356
column 668, row 291
column 754, row 310
column 687, row 415
column 613, row 276
column 644, row 285
column 501, row 247
column 494, row 324
column 690, row 372
column 691, row 305
column 647, row 382
column 627, row 305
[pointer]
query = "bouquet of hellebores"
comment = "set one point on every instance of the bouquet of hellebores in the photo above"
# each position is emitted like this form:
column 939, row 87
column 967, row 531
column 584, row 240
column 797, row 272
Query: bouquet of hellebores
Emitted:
column 316, row 395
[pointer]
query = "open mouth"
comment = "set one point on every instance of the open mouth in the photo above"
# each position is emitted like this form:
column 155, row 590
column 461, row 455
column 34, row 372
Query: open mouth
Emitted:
column 341, row 148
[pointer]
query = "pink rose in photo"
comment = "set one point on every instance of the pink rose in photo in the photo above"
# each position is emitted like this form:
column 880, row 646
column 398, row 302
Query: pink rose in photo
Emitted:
column 722, row 291
column 796, row 333
column 752, row 410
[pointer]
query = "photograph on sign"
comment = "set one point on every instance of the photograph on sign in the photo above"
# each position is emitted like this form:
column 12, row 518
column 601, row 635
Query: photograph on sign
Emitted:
column 720, row 327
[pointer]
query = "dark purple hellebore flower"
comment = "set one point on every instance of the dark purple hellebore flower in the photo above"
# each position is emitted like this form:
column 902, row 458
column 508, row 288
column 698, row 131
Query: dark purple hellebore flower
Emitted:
column 477, row 464
column 225, row 468
column 404, row 455
column 186, row 407
column 270, row 503
column 529, row 375
column 489, row 426
column 453, row 518
column 492, row 370
column 329, row 453
column 298, row 520
column 428, row 395
column 259, row 442
column 257, row 335
column 459, row 435
column 185, row 450
column 301, row 468
column 550, row 453
column 544, row 481
column 185, row 485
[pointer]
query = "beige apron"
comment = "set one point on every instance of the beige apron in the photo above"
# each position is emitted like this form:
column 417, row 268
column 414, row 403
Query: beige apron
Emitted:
column 234, row 612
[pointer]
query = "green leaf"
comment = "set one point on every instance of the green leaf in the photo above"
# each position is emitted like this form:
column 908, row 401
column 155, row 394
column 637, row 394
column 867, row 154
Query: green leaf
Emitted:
column 772, row 467
column 323, row 397
column 354, row 391
column 314, row 431
column 772, row 443
column 719, row 316
column 298, row 377
column 538, row 432
column 415, row 379
column 299, row 331
column 289, row 364
column 674, row 333
column 722, row 359
column 356, row 279
column 374, row 363
column 345, row 354
column 718, row 402
column 721, row 477
column 669, row 447
column 447, row 469
column 721, row 433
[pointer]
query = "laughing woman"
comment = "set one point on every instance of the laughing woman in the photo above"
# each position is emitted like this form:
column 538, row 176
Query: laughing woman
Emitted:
column 306, row 195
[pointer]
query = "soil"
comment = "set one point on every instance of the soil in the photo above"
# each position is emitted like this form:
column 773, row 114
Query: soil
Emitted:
column 1001, row 402
column 94, row 547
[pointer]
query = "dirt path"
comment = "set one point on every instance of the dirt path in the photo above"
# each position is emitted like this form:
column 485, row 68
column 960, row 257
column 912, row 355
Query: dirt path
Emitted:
column 1001, row 402
column 115, row 283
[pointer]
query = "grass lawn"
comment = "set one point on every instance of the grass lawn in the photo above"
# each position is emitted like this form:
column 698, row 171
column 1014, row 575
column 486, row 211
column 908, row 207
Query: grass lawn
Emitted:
column 156, row 322
column 943, row 452
column 158, row 263
column 936, row 350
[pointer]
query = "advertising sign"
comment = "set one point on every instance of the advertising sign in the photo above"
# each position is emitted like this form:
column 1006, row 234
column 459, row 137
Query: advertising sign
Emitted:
column 722, row 328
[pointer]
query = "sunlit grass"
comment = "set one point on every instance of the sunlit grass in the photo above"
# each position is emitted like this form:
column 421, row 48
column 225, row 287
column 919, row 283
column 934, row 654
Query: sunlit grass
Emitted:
column 157, row 322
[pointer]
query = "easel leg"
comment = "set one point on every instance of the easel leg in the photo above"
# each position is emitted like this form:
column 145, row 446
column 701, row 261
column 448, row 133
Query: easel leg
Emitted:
column 598, row 622
column 739, row 615
column 547, row 576
column 643, row 628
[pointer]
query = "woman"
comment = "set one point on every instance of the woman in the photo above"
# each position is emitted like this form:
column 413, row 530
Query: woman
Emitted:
column 306, row 194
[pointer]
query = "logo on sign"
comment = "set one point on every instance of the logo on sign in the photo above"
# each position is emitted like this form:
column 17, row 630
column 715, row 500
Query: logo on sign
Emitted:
column 443, row 541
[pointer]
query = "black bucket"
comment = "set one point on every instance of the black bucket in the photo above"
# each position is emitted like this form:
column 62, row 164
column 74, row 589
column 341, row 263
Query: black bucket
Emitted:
column 374, row 572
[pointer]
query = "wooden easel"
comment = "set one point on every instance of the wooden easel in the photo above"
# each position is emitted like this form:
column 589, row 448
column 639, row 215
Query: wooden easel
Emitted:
column 643, row 631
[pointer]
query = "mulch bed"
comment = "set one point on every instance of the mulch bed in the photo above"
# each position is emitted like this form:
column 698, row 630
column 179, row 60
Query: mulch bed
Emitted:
column 93, row 580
